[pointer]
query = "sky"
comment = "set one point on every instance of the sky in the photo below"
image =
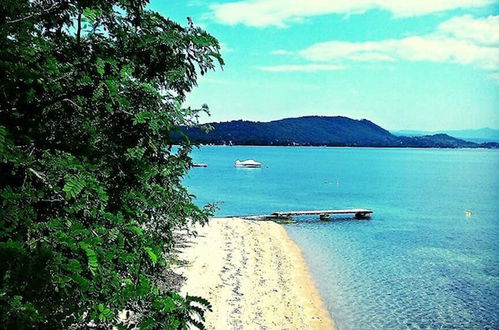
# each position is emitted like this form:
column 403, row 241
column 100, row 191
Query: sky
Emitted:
column 403, row 64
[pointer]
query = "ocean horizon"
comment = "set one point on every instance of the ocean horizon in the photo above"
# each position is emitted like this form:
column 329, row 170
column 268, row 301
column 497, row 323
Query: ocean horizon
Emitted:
column 428, row 258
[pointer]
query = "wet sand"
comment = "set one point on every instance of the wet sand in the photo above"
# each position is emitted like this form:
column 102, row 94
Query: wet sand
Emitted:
column 254, row 275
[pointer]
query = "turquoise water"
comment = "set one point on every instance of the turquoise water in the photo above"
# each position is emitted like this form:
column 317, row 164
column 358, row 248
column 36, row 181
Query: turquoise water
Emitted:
column 420, row 263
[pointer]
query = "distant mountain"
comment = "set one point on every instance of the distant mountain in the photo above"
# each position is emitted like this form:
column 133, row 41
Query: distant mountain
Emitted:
column 316, row 131
column 475, row 135
column 437, row 141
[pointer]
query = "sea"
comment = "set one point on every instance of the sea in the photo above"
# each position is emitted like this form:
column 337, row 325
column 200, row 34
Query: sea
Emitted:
column 427, row 259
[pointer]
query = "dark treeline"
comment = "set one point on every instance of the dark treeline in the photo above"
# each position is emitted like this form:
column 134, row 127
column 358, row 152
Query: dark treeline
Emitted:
column 317, row 131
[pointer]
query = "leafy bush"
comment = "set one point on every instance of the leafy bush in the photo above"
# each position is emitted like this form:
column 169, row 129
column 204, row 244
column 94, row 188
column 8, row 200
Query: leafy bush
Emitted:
column 90, row 184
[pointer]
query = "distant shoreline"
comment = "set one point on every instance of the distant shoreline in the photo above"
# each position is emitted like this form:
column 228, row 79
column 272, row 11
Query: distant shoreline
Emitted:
column 254, row 275
column 330, row 131
column 344, row 147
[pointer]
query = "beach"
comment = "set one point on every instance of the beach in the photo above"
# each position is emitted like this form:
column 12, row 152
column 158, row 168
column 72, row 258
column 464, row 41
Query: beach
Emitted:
column 254, row 275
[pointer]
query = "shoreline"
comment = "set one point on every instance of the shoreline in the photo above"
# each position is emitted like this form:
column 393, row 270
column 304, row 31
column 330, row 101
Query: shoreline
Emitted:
column 348, row 147
column 254, row 275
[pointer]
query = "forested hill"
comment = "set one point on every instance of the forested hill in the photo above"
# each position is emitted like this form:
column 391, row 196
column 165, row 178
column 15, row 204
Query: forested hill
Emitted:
column 316, row 131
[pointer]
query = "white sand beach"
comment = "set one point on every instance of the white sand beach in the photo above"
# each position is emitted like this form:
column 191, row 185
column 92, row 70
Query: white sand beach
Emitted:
column 254, row 275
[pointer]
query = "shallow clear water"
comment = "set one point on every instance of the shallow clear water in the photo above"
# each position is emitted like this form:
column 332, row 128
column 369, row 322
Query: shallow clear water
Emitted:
column 420, row 263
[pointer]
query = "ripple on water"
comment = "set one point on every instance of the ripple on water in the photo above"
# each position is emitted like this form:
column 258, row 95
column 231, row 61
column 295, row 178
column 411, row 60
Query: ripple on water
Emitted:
column 395, row 279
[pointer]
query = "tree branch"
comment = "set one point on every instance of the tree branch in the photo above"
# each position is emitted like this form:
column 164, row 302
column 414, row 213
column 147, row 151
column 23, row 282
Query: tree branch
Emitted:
column 44, row 180
column 32, row 15
column 77, row 92
column 78, row 30
column 72, row 102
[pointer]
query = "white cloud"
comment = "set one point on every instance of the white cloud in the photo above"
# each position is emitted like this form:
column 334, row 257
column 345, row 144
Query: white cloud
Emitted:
column 371, row 57
column 483, row 31
column 206, row 80
column 281, row 52
column 429, row 48
column 259, row 13
column 224, row 48
column 301, row 68
column 462, row 40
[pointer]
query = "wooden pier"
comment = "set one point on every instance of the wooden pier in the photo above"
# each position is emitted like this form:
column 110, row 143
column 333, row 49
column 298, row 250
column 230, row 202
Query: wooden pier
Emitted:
column 325, row 214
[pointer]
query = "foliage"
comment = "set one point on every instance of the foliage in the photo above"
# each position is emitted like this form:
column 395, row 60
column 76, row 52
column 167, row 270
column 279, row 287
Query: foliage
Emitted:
column 90, row 185
column 310, row 130
column 318, row 131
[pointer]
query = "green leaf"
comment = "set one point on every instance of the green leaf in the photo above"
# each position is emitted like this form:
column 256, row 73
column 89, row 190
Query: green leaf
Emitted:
column 141, row 117
column 91, row 256
column 200, row 300
column 136, row 153
column 3, row 134
column 102, row 194
column 91, row 14
column 73, row 186
column 103, row 312
column 144, row 286
column 151, row 254
column 136, row 230
column 100, row 66
column 74, row 266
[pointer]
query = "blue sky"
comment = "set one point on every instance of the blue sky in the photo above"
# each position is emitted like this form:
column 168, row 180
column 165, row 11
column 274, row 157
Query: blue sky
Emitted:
column 404, row 64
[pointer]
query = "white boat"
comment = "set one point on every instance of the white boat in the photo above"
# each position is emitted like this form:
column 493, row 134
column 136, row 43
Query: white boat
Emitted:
column 199, row 165
column 249, row 163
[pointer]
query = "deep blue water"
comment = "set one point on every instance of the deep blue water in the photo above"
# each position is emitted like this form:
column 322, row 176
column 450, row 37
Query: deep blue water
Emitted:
column 420, row 263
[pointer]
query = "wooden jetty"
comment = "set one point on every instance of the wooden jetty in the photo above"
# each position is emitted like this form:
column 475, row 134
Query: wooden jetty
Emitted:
column 325, row 214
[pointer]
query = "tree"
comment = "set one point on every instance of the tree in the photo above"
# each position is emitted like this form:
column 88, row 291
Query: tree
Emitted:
column 91, row 186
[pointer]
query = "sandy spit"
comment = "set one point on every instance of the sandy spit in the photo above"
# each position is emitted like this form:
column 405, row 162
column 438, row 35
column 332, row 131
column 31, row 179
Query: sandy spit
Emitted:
column 254, row 275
